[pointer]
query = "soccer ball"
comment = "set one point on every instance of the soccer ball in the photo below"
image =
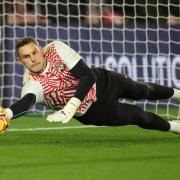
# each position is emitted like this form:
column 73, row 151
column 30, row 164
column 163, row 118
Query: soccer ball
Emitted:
column 3, row 124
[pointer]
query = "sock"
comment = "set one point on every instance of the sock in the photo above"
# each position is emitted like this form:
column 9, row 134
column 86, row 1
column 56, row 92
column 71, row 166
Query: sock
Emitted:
column 174, row 126
column 176, row 94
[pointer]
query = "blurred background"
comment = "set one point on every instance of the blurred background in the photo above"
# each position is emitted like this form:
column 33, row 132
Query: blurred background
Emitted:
column 140, row 38
column 81, row 11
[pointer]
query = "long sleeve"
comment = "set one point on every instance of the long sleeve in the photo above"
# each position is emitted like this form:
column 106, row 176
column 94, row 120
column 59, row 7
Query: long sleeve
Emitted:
column 32, row 93
column 86, row 79
column 23, row 105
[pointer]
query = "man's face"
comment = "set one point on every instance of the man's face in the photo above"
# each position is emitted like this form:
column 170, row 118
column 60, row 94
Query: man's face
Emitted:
column 31, row 56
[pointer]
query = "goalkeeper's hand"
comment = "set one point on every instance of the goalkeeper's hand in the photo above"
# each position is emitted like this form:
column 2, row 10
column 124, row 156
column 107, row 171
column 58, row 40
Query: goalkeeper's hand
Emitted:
column 66, row 113
column 4, row 122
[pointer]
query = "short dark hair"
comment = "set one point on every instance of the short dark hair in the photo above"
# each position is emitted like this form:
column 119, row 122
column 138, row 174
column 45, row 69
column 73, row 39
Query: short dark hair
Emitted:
column 23, row 41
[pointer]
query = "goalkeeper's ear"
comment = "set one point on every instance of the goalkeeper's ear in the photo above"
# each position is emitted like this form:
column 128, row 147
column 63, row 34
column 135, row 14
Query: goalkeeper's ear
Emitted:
column 19, row 60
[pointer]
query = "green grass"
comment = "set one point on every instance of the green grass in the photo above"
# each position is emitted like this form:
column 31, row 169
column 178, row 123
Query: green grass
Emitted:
column 106, row 153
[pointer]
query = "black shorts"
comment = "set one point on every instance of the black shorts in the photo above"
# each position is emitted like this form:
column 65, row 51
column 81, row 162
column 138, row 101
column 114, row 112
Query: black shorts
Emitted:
column 110, row 87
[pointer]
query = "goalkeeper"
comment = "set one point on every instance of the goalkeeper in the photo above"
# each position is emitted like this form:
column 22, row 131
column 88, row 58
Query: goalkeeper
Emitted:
column 57, row 77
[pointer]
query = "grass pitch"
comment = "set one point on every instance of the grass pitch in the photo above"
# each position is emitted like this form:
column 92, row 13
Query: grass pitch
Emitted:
column 122, row 153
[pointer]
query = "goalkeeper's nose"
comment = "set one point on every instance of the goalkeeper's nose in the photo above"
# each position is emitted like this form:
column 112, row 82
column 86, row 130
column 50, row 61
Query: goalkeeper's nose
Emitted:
column 33, row 59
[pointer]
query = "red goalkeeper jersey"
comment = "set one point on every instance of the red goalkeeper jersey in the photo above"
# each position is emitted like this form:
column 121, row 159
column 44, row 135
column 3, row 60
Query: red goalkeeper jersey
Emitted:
column 56, row 85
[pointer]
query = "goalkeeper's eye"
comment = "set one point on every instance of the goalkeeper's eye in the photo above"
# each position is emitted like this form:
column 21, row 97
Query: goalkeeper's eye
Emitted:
column 26, row 56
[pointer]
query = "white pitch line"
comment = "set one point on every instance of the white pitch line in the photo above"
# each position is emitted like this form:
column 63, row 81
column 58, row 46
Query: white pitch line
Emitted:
column 53, row 128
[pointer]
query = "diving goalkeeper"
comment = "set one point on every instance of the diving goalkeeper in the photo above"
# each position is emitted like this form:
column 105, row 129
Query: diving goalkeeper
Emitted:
column 57, row 77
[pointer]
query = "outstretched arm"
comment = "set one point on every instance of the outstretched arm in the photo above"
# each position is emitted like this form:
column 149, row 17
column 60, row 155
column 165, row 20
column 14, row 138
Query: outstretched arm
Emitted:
column 15, row 110
column 21, row 107
column 32, row 93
